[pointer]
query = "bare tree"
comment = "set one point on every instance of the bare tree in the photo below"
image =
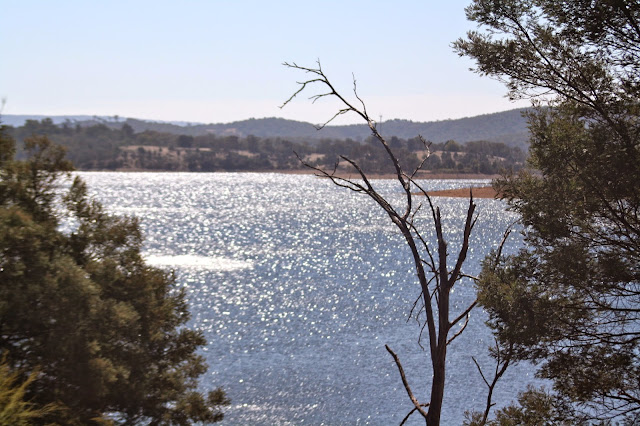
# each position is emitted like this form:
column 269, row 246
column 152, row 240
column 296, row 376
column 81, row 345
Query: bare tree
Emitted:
column 435, row 277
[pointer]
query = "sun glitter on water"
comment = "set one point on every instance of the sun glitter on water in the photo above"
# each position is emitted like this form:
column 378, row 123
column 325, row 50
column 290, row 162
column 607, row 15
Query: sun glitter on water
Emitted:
column 195, row 261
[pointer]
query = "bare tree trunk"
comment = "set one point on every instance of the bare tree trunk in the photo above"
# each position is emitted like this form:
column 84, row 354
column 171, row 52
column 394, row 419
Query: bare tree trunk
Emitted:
column 437, row 391
column 436, row 280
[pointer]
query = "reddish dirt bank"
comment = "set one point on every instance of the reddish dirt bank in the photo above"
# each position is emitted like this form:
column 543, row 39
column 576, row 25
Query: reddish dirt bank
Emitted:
column 480, row 192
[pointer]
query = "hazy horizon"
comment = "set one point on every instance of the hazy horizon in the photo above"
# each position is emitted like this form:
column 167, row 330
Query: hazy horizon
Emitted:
column 220, row 62
column 122, row 119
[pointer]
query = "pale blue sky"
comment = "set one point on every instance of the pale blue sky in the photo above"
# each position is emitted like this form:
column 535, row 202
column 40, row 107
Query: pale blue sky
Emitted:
column 221, row 60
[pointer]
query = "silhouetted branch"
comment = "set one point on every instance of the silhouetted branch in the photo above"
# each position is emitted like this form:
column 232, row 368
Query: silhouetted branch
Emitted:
column 502, row 363
column 413, row 399
column 459, row 332
column 413, row 410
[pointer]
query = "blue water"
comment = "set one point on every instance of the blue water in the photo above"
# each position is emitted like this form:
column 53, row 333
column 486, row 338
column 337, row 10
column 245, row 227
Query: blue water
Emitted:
column 298, row 285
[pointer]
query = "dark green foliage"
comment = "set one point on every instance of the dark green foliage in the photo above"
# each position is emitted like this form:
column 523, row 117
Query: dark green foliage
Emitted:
column 570, row 300
column 80, row 305
column 535, row 407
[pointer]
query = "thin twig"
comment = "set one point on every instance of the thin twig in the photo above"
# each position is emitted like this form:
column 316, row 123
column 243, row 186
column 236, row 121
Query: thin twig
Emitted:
column 502, row 363
column 413, row 410
column 459, row 332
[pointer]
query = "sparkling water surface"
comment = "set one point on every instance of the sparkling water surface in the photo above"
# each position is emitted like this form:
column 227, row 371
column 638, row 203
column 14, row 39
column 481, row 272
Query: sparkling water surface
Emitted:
column 297, row 286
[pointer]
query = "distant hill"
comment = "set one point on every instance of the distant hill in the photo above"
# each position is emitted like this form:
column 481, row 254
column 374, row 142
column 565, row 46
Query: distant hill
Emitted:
column 508, row 127
column 19, row 120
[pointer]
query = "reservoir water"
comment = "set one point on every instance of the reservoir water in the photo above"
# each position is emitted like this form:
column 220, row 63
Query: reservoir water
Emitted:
column 297, row 286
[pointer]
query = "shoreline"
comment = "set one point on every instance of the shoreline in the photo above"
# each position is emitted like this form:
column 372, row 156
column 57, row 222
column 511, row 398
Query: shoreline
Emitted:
column 419, row 175
column 341, row 174
column 486, row 192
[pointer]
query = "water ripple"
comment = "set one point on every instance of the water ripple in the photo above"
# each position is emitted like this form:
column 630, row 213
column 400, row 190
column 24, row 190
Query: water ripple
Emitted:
column 297, row 286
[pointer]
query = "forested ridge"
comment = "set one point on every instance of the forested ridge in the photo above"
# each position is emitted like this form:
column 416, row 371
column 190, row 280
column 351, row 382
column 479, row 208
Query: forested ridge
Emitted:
column 103, row 147
column 509, row 127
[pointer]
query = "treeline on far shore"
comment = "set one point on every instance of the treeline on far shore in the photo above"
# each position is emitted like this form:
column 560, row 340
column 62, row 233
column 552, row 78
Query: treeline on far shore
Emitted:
column 99, row 147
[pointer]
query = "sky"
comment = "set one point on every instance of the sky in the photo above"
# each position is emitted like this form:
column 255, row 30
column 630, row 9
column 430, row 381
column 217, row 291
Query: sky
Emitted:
column 219, row 61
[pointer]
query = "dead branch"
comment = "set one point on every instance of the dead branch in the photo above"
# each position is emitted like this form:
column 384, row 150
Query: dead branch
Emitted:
column 502, row 363
column 471, row 277
column 468, row 227
column 413, row 410
column 505, row 236
column 413, row 399
column 459, row 332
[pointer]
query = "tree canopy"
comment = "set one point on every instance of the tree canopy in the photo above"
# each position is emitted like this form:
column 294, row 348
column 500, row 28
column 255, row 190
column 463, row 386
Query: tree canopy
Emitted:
column 102, row 147
column 570, row 299
column 104, row 332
